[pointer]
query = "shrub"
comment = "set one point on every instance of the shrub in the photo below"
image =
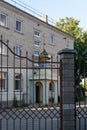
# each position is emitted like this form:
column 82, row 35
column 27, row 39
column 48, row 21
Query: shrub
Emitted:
column 79, row 98
column 15, row 102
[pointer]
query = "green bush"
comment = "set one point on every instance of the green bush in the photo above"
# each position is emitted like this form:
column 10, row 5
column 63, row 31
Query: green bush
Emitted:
column 79, row 98
column 15, row 101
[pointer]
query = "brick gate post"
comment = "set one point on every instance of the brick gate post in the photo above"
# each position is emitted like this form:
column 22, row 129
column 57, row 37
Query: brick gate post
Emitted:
column 67, row 90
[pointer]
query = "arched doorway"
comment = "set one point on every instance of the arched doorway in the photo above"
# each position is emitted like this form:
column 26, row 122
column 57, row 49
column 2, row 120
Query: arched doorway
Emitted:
column 39, row 92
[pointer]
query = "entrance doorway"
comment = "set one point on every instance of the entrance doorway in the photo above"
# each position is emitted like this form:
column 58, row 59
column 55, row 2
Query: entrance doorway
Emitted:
column 39, row 92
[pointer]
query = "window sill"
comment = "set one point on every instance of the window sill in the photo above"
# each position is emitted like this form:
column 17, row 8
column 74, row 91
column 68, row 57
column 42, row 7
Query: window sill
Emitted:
column 51, row 44
column 19, row 32
column 18, row 91
column 3, row 91
column 5, row 55
column 36, row 36
column 37, row 46
column 5, row 27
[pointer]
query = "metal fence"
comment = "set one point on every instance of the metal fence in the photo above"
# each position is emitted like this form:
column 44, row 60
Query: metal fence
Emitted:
column 40, row 93
column 29, row 94
column 81, row 103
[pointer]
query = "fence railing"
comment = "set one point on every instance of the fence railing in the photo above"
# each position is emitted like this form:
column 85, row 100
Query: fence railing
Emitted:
column 41, row 100
column 28, row 98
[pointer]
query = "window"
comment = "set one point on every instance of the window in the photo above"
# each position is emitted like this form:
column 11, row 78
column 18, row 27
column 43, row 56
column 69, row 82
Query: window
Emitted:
column 3, row 49
column 51, row 86
column 52, row 60
column 37, row 33
column 36, row 53
column 18, row 50
column 18, row 25
column 36, row 71
column 36, row 57
column 3, row 81
column 37, row 43
column 52, row 39
column 17, row 81
column 51, row 92
column 3, row 19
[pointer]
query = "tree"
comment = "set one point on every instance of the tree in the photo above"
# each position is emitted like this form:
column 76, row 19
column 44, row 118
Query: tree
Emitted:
column 71, row 26
column 80, row 60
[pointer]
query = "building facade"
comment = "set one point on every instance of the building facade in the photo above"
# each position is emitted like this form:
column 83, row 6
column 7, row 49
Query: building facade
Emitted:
column 28, row 33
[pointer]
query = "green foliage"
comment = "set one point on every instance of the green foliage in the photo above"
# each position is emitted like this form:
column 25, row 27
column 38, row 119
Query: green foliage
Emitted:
column 15, row 102
column 84, row 83
column 80, row 60
column 71, row 26
column 79, row 98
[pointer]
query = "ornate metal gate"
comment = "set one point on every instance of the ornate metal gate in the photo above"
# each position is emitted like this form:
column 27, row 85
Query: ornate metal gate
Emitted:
column 29, row 94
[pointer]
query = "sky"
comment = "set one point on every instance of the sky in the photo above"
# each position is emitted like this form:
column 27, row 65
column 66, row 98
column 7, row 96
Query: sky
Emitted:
column 57, row 9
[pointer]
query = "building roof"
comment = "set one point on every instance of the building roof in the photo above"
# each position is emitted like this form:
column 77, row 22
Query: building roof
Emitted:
column 38, row 20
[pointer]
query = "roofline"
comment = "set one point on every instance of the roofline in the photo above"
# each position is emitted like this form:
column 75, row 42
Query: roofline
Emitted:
column 46, row 23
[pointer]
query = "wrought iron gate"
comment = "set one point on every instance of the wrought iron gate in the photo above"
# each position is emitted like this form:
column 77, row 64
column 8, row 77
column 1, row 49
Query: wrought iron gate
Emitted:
column 81, row 104
column 29, row 94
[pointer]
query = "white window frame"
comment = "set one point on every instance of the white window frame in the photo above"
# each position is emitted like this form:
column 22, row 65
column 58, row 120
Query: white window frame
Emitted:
column 3, row 81
column 19, row 29
column 36, row 53
column 37, row 43
column 37, row 33
column 18, row 79
column 18, row 50
column 52, row 39
column 3, row 22
column 36, row 56
column 3, row 49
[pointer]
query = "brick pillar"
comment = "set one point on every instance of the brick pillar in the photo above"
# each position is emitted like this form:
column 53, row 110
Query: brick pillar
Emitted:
column 67, row 90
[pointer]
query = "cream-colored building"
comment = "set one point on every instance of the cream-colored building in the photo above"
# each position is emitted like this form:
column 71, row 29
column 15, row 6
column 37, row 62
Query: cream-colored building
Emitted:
column 27, row 33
